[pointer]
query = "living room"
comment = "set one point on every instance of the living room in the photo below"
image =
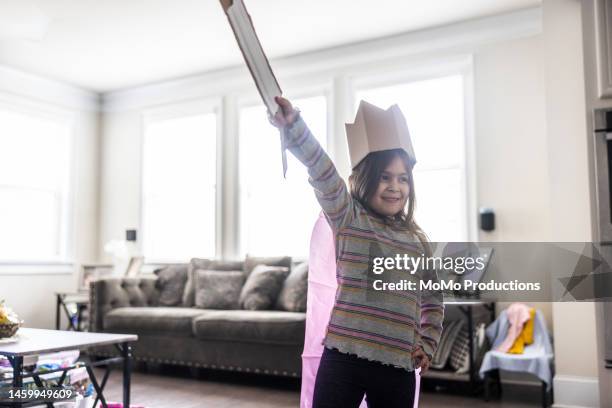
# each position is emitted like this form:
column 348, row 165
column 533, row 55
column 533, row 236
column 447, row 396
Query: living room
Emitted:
column 163, row 170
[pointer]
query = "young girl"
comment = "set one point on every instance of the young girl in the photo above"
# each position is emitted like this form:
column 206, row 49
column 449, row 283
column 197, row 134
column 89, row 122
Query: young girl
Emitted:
column 375, row 339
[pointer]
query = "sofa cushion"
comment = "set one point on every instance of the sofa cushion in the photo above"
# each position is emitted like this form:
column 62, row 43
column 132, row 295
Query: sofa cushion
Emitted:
column 200, row 263
column 262, row 287
column 252, row 261
column 292, row 296
column 174, row 320
column 447, row 339
column 171, row 284
column 253, row 326
column 218, row 289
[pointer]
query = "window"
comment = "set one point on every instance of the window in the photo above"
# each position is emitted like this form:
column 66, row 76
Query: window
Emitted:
column 35, row 156
column 435, row 114
column 277, row 215
column 179, row 187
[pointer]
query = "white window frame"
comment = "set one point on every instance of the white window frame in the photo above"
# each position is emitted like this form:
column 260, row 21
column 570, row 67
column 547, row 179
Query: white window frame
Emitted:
column 177, row 110
column 249, row 99
column 339, row 92
column 66, row 215
column 463, row 66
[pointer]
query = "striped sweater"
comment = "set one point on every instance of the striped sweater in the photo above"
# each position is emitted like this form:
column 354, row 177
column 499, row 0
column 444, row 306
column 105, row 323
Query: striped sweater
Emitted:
column 383, row 326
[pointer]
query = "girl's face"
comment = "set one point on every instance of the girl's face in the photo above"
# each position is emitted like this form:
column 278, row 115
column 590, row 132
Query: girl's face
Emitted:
column 393, row 187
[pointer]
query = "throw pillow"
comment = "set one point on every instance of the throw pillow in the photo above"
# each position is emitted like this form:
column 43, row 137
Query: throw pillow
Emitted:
column 252, row 261
column 262, row 287
column 171, row 282
column 447, row 339
column 198, row 263
column 292, row 296
column 460, row 354
column 189, row 293
column 218, row 289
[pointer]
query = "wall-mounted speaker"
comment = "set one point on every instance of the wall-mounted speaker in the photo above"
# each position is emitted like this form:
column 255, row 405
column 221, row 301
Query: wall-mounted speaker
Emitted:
column 130, row 235
column 487, row 219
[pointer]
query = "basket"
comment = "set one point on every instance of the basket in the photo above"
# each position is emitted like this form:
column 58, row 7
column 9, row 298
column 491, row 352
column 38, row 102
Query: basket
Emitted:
column 8, row 329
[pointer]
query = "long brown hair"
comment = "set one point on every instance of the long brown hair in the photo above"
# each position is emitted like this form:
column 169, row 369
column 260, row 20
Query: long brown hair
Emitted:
column 364, row 181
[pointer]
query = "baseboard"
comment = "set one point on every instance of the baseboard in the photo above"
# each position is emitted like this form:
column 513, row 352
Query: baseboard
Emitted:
column 522, row 383
column 576, row 392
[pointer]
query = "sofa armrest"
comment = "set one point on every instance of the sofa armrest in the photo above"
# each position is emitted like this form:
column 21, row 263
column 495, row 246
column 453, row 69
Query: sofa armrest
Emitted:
column 111, row 293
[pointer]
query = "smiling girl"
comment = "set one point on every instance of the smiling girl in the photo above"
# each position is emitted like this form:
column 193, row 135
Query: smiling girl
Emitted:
column 375, row 340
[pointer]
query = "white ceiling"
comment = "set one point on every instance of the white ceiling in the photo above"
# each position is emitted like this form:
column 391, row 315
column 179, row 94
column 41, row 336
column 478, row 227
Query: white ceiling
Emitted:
column 105, row 45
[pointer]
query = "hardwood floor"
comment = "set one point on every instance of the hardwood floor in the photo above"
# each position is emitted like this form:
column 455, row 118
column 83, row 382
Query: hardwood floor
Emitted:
column 177, row 388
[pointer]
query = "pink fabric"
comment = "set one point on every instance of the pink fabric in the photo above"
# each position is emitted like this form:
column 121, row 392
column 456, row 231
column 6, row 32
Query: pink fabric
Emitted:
column 518, row 314
column 321, row 294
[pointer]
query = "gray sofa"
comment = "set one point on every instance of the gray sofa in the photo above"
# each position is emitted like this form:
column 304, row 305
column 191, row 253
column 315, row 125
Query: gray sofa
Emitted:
column 257, row 341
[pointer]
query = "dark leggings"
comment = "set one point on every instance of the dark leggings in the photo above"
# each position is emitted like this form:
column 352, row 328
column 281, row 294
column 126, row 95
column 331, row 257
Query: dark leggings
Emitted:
column 343, row 379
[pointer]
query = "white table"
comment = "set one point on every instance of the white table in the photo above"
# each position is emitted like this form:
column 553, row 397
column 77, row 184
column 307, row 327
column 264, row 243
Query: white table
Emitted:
column 41, row 341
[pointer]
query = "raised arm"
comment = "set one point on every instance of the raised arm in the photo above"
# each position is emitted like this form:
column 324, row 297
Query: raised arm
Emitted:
column 330, row 189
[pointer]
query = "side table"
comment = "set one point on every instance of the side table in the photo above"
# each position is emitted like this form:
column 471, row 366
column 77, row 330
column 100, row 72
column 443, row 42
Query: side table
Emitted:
column 75, row 320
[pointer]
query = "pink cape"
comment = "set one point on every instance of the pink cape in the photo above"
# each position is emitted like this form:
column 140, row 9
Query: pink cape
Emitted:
column 321, row 295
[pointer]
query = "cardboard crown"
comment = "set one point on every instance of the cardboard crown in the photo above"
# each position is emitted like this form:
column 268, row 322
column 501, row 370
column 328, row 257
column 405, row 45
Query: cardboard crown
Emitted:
column 376, row 129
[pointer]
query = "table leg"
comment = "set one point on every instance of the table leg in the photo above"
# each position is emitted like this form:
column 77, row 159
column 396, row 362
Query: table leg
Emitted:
column 58, row 301
column 544, row 395
column 17, row 363
column 126, row 352
column 40, row 385
column 17, row 371
column 71, row 325
column 79, row 316
column 94, row 382
column 487, row 387
column 103, row 384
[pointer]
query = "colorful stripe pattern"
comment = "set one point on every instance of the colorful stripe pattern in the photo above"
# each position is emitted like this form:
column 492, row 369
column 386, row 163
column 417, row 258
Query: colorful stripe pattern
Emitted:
column 383, row 326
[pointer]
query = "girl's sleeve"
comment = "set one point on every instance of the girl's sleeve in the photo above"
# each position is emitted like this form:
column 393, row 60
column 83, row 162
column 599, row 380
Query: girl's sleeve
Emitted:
column 432, row 316
column 330, row 189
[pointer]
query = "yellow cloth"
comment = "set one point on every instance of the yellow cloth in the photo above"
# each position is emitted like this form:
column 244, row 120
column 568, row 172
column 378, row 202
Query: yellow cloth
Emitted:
column 526, row 336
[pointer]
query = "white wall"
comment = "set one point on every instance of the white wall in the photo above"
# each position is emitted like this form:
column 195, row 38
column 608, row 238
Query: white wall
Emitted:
column 511, row 146
column 576, row 377
column 120, row 176
column 29, row 289
column 511, row 150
